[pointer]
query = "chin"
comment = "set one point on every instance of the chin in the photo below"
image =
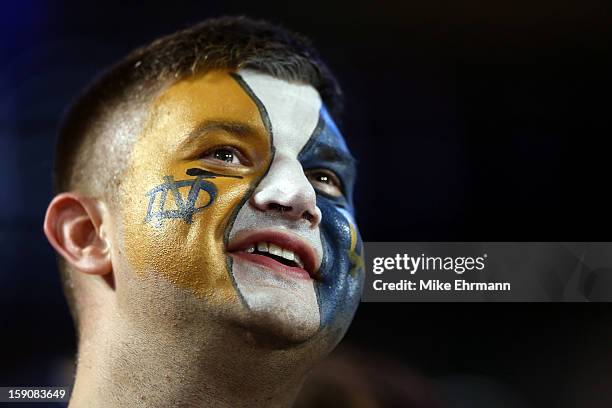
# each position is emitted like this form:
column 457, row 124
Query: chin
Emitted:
column 280, row 320
column 279, row 306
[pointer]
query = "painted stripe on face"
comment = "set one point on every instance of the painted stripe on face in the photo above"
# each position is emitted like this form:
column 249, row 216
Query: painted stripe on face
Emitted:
column 340, row 286
column 194, row 197
column 283, row 208
column 284, row 201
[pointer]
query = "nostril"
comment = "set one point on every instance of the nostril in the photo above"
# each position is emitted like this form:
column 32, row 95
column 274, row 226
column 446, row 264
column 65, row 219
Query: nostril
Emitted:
column 308, row 216
column 279, row 207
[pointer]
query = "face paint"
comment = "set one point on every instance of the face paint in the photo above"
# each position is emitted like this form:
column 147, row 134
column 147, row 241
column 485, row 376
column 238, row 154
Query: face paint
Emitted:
column 177, row 199
column 280, row 299
column 205, row 226
column 304, row 138
column 339, row 288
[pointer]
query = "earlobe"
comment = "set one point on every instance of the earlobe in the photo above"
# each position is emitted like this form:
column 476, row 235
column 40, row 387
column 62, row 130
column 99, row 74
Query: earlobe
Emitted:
column 73, row 226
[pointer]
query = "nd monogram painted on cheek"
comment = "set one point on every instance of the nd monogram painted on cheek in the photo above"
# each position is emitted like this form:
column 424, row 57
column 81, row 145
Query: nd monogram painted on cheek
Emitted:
column 183, row 208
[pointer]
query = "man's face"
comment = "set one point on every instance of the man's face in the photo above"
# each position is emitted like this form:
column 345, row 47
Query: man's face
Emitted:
column 238, row 193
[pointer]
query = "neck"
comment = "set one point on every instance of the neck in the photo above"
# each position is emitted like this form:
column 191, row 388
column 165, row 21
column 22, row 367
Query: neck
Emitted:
column 153, row 367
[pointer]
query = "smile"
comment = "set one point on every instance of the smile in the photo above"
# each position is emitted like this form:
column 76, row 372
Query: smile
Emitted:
column 282, row 252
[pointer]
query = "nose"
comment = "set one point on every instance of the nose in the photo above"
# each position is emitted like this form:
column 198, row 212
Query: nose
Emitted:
column 286, row 191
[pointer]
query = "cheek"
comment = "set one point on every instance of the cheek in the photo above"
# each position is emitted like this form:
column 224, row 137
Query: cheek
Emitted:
column 342, row 279
column 355, row 251
column 175, row 228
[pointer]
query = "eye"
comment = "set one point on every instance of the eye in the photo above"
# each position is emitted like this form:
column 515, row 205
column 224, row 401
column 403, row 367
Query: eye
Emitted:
column 325, row 181
column 226, row 155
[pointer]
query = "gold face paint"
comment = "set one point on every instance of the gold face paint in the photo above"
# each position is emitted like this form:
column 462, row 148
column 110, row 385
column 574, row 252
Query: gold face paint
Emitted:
column 355, row 253
column 175, row 213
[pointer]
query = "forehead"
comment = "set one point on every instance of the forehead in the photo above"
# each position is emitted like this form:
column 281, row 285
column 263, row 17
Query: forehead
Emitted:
column 213, row 97
column 291, row 114
column 292, row 109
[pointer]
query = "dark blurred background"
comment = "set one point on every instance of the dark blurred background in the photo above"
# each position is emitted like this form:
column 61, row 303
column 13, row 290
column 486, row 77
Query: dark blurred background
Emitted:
column 472, row 120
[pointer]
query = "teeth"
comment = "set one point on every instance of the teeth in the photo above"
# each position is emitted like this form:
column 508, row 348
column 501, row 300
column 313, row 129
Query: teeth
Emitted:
column 275, row 250
column 287, row 254
column 298, row 261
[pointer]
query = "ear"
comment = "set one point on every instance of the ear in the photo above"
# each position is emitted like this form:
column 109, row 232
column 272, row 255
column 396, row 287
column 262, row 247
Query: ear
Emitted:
column 73, row 227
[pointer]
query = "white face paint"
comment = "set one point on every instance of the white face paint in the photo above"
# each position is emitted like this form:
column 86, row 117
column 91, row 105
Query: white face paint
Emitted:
column 283, row 209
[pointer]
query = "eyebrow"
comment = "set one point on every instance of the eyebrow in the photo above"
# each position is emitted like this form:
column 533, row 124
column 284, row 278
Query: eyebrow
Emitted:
column 208, row 126
column 332, row 154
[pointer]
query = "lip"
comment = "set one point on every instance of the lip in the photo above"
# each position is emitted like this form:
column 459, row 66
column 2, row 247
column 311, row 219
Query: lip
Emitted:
column 238, row 245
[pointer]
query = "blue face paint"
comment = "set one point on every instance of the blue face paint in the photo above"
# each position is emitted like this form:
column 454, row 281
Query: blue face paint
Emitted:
column 339, row 288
